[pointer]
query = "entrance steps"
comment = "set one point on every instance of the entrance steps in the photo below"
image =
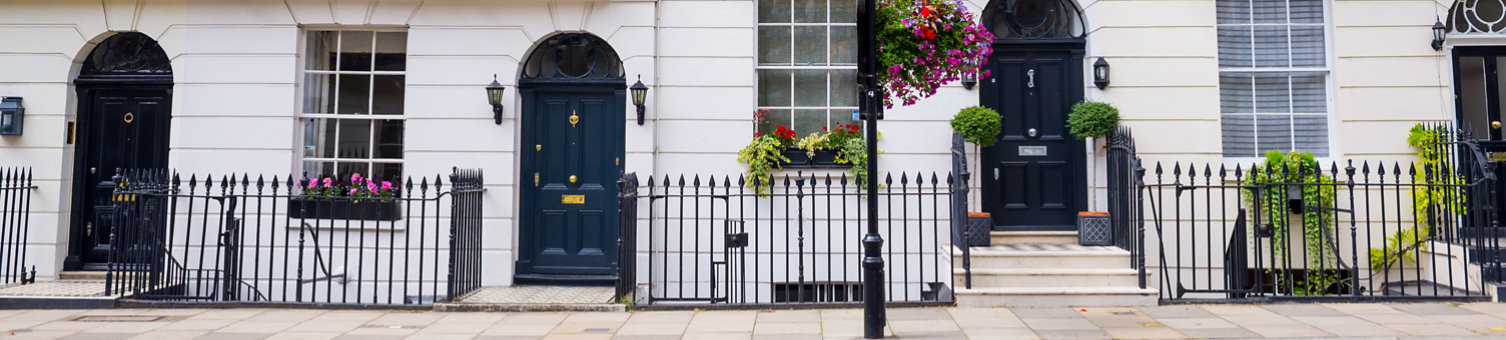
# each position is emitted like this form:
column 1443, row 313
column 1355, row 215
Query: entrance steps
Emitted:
column 1049, row 269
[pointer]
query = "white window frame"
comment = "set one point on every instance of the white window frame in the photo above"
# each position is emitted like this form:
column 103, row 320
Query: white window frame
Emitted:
column 299, row 157
column 1330, row 88
column 830, row 66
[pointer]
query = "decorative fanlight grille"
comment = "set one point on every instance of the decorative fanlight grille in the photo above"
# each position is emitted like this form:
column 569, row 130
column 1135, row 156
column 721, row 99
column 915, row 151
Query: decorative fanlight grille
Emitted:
column 573, row 56
column 1477, row 16
column 1034, row 19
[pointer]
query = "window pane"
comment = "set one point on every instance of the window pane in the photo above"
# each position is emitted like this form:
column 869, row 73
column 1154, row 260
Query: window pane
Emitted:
column 387, row 95
column 810, row 88
column 392, row 172
column 810, row 10
column 843, row 117
column 1238, row 135
column 777, row 117
column 1307, row 11
column 1234, row 46
column 809, row 121
column 389, row 138
column 343, row 170
column 392, row 49
column 354, row 94
column 320, row 50
column 844, row 88
column 1233, row 11
column 1311, row 134
column 1270, row 11
column 1272, row 48
column 318, row 138
column 773, row 87
column 774, row 11
column 316, row 171
column 1235, row 91
column 810, row 45
column 355, row 51
column 844, row 11
column 1307, row 46
column 316, row 93
column 1309, row 92
column 355, row 138
column 1273, row 93
column 1274, row 131
column 844, row 45
column 774, row 45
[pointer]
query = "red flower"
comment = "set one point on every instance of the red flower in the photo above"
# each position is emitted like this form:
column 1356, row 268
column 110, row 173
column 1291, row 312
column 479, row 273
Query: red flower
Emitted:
column 755, row 134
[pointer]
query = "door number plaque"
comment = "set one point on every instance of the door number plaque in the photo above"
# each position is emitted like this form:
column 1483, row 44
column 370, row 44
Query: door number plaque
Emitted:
column 572, row 199
column 1036, row 150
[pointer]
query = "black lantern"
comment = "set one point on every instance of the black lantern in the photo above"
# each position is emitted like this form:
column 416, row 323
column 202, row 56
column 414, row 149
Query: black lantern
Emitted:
column 12, row 114
column 494, row 96
column 1101, row 73
column 639, row 93
column 1439, row 32
column 969, row 80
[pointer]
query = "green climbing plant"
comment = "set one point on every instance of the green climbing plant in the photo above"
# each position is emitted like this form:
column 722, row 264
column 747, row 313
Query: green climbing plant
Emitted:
column 1278, row 172
column 760, row 157
column 1431, row 197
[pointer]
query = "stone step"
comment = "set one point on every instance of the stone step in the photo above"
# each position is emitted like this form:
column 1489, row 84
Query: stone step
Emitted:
column 1056, row 297
column 82, row 275
column 1000, row 238
column 1045, row 256
column 1053, row 277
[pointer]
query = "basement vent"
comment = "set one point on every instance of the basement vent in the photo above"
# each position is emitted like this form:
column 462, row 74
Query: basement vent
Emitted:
column 118, row 318
column 843, row 291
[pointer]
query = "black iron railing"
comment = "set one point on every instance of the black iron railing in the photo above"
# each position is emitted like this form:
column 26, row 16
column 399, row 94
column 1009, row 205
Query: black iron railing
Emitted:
column 710, row 240
column 289, row 241
column 15, row 224
column 627, row 236
column 1356, row 229
column 958, row 214
column 1123, row 174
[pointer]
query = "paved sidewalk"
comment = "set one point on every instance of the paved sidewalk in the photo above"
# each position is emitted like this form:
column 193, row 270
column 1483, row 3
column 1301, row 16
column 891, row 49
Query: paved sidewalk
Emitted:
column 1392, row 320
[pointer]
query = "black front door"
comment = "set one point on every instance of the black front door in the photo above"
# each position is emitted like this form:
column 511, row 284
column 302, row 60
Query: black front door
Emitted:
column 119, row 127
column 1033, row 177
column 572, row 157
column 1477, row 89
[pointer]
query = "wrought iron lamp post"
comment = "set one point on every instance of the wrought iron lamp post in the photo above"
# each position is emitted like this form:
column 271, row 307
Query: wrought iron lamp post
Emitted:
column 871, row 108
column 494, row 96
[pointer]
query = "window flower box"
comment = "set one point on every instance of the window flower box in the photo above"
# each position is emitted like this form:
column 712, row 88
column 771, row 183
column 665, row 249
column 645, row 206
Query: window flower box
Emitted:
column 800, row 159
column 339, row 208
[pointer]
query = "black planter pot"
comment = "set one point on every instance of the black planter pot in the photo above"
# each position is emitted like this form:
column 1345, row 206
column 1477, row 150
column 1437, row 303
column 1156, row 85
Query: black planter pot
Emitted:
column 797, row 157
column 822, row 159
column 825, row 158
column 344, row 209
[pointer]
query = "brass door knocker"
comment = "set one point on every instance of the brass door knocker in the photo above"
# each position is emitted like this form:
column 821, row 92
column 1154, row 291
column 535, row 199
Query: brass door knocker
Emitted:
column 573, row 119
column 129, row 117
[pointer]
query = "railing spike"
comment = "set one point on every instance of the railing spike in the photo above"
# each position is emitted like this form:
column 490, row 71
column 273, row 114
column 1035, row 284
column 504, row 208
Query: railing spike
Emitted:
column 844, row 179
column 904, row 179
column 1158, row 168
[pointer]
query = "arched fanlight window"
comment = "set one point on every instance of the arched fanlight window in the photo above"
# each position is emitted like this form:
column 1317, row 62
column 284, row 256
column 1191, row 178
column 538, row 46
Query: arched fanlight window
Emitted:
column 1034, row 19
column 1477, row 16
column 573, row 56
column 128, row 53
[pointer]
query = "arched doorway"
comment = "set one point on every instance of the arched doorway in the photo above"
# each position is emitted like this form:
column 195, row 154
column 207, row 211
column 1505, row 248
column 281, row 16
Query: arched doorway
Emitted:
column 124, row 107
column 1034, row 176
column 573, row 91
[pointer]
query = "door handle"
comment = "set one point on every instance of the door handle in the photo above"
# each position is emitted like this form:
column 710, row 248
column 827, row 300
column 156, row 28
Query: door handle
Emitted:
column 535, row 179
column 1032, row 132
column 1031, row 74
column 572, row 179
column 1495, row 125
column 91, row 170
column 996, row 173
column 573, row 119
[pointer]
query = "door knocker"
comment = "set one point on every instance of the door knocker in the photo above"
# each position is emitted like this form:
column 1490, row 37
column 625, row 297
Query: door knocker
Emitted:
column 129, row 117
column 573, row 119
column 1031, row 74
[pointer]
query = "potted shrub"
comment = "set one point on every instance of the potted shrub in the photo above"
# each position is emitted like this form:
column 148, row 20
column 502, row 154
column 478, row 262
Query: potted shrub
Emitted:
column 1092, row 119
column 978, row 125
column 360, row 199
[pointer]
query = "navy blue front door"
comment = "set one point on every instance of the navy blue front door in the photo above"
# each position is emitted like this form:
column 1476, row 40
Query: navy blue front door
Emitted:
column 572, row 156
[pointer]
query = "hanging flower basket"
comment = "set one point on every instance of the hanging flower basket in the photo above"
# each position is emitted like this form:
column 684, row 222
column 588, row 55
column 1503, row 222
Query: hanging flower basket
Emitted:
column 924, row 44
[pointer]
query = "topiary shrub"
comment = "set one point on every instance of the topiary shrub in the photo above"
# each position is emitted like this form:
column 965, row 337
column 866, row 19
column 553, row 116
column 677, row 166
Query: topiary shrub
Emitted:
column 977, row 124
column 1092, row 119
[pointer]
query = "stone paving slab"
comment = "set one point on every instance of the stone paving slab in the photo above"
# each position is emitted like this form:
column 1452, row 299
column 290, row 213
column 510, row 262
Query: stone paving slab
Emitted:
column 58, row 288
column 1324, row 321
column 536, row 298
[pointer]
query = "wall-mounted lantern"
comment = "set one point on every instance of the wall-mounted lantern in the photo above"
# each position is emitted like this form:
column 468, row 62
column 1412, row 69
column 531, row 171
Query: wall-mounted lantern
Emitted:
column 969, row 80
column 1439, row 32
column 12, row 114
column 494, row 96
column 640, row 93
column 1101, row 73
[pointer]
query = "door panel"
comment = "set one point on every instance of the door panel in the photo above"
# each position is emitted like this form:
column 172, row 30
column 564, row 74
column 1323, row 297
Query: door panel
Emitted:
column 1033, row 176
column 120, row 128
column 569, row 226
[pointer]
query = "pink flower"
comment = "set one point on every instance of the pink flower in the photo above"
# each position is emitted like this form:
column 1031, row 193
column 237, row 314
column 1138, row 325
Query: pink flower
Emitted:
column 329, row 182
column 371, row 186
column 352, row 191
column 386, row 185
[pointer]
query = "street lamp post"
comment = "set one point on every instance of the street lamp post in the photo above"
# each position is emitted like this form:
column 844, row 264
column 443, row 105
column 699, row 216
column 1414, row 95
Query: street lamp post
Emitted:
column 871, row 108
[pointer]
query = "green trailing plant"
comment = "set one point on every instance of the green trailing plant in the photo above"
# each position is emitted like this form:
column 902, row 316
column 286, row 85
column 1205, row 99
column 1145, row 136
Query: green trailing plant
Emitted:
column 1431, row 197
column 854, row 151
column 760, row 157
column 1273, row 176
column 977, row 124
column 1092, row 119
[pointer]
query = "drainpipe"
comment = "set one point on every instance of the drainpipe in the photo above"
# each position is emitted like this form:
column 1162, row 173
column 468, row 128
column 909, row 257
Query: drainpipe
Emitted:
column 654, row 152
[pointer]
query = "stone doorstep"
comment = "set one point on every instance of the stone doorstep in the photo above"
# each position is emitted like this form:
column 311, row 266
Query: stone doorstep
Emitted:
column 1033, row 237
column 528, row 307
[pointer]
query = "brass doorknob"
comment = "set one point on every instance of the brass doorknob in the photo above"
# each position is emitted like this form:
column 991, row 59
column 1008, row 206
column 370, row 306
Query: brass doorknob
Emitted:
column 1495, row 125
column 572, row 179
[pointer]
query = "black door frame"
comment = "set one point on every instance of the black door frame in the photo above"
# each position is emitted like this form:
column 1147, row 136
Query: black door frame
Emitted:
column 1075, row 92
column 87, row 87
column 528, row 91
column 1493, row 140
